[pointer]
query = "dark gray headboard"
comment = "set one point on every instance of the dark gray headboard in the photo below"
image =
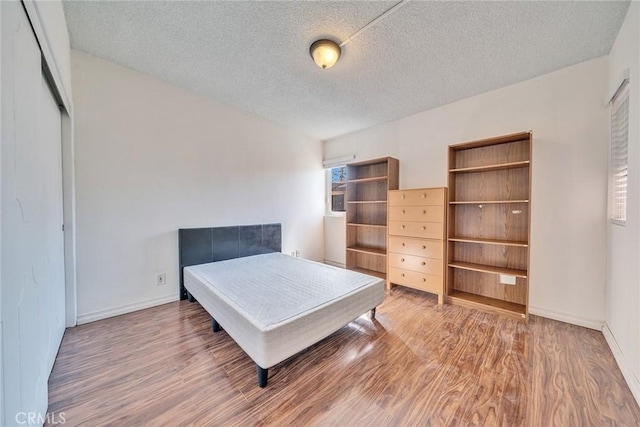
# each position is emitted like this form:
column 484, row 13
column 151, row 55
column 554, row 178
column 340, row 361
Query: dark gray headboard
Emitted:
column 203, row 245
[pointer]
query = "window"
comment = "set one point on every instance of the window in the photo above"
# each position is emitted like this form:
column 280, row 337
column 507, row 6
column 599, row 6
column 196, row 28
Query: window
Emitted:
column 618, row 156
column 336, row 181
column 338, row 188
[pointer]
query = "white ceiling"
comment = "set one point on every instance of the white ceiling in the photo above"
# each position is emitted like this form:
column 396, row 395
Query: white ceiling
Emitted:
column 254, row 56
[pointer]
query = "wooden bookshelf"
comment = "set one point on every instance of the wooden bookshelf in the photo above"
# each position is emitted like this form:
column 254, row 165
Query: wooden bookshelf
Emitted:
column 487, row 168
column 483, row 268
column 488, row 226
column 500, row 306
column 372, row 251
column 488, row 241
column 368, row 184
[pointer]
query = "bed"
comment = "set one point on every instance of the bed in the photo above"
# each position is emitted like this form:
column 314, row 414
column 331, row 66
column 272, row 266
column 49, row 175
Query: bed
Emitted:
column 272, row 305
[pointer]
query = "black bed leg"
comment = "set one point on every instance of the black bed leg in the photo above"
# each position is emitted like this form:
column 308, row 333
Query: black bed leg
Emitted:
column 190, row 297
column 215, row 326
column 373, row 313
column 263, row 374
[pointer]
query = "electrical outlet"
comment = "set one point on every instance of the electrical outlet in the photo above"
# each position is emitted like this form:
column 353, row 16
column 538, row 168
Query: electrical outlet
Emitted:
column 161, row 279
column 293, row 253
column 297, row 253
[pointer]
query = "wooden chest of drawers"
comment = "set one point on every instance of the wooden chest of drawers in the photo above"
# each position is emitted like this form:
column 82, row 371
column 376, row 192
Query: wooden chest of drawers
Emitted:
column 416, row 239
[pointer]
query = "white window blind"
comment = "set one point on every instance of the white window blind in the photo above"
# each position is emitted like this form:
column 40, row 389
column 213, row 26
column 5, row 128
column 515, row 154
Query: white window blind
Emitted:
column 618, row 156
column 338, row 161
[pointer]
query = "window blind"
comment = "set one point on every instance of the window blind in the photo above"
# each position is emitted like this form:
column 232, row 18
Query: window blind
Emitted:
column 618, row 157
column 339, row 161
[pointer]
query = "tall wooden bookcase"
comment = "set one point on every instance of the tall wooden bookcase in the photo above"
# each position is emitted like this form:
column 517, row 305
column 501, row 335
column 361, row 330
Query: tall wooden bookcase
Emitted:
column 489, row 224
column 368, row 184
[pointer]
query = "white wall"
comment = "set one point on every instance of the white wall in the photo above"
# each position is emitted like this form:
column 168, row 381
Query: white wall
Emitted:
column 566, row 111
column 152, row 158
column 335, row 240
column 623, row 249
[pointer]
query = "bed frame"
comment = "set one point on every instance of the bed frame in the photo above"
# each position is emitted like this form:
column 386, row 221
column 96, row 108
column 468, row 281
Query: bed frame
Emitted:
column 204, row 245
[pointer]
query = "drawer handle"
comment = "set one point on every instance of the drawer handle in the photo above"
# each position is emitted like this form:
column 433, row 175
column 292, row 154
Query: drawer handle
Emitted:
column 402, row 243
column 424, row 211
column 424, row 247
column 424, row 263
column 424, row 195
column 403, row 211
column 402, row 226
column 424, row 227
column 401, row 274
column 424, row 279
column 403, row 196
column 401, row 259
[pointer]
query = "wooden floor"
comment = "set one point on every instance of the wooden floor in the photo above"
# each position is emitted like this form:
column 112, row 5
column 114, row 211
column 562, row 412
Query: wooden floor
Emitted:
column 417, row 364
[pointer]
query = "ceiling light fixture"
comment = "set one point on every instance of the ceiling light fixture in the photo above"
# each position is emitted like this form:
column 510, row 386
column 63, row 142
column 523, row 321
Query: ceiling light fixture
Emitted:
column 325, row 53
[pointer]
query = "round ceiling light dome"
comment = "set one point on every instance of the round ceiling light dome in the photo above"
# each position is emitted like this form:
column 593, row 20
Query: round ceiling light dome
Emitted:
column 325, row 53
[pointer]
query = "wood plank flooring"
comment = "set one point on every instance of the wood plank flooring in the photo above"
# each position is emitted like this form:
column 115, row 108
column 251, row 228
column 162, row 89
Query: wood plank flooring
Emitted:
column 417, row 364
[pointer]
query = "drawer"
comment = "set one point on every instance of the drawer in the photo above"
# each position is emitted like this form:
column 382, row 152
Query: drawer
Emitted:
column 426, row 230
column 418, row 247
column 416, row 213
column 419, row 197
column 412, row 279
column 429, row 266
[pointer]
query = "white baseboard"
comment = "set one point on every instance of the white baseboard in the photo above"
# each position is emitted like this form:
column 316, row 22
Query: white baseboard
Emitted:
column 623, row 363
column 124, row 309
column 333, row 263
column 567, row 318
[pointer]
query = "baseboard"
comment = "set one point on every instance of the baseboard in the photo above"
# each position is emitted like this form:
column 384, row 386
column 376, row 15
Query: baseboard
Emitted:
column 567, row 318
column 124, row 309
column 333, row 263
column 623, row 363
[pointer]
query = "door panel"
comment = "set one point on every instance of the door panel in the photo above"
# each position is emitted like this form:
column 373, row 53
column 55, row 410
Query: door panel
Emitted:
column 32, row 256
column 52, row 305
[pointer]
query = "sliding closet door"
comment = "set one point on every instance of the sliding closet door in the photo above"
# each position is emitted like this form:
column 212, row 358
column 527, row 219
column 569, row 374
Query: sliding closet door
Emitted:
column 52, row 297
column 32, row 255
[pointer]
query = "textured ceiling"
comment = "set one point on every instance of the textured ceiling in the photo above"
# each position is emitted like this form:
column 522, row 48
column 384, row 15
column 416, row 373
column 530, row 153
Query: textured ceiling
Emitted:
column 254, row 56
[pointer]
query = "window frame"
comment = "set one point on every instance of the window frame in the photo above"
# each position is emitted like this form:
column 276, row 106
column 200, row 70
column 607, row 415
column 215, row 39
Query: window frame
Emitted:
column 330, row 192
column 619, row 155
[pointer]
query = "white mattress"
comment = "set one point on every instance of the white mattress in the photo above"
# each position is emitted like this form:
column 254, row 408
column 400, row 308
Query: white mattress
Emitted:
column 275, row 305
